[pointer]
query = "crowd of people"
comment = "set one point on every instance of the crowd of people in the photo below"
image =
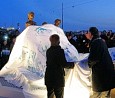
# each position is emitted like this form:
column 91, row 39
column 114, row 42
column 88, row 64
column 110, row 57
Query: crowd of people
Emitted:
column 100, row 63
column 7, row 42
column 81, row 43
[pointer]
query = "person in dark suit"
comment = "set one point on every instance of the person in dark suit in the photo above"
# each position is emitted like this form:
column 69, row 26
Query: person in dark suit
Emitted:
column 54, row 75
column 100, row 62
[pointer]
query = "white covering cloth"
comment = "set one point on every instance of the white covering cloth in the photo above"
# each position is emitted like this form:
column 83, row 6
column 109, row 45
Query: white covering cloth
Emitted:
column 27, row 64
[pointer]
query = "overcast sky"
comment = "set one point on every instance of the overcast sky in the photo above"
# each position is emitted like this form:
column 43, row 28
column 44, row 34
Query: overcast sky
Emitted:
column 77, row 14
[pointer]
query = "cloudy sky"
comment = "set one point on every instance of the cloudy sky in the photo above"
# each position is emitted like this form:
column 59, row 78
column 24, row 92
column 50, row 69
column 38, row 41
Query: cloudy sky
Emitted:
column 77, row 14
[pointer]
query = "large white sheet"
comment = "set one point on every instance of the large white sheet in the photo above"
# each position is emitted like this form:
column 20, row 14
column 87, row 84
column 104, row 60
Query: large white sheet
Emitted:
column 27, row 64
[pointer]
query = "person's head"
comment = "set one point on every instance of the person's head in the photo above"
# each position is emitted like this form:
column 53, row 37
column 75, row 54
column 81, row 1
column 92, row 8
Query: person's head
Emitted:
column 55, row 40
column 57, row 22
column 5, row 42
column 31, row 16
column 44, row 23
column 69, row 35
column 93, row 32
column 13, row 39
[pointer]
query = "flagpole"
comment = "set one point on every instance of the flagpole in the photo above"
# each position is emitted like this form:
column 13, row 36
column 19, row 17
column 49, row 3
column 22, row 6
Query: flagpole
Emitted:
column 62, row 15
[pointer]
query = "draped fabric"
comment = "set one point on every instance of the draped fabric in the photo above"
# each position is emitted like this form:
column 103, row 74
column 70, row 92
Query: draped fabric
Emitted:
column 27, row 63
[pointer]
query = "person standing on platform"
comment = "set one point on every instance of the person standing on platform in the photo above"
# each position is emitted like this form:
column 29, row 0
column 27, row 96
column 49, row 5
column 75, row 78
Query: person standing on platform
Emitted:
column 30, row 19
column 57, row 22
column 99, row 60
column 55, row 62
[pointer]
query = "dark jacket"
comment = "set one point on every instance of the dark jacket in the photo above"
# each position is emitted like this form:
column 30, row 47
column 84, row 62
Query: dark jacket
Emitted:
column 55, row 62
column 102, row 66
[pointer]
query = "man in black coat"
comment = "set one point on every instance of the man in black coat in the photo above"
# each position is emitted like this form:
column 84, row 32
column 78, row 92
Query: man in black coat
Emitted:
column 54, row 75
column 100, row 62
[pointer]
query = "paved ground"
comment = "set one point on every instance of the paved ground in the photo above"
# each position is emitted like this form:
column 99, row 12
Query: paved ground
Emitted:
column 8, row 90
